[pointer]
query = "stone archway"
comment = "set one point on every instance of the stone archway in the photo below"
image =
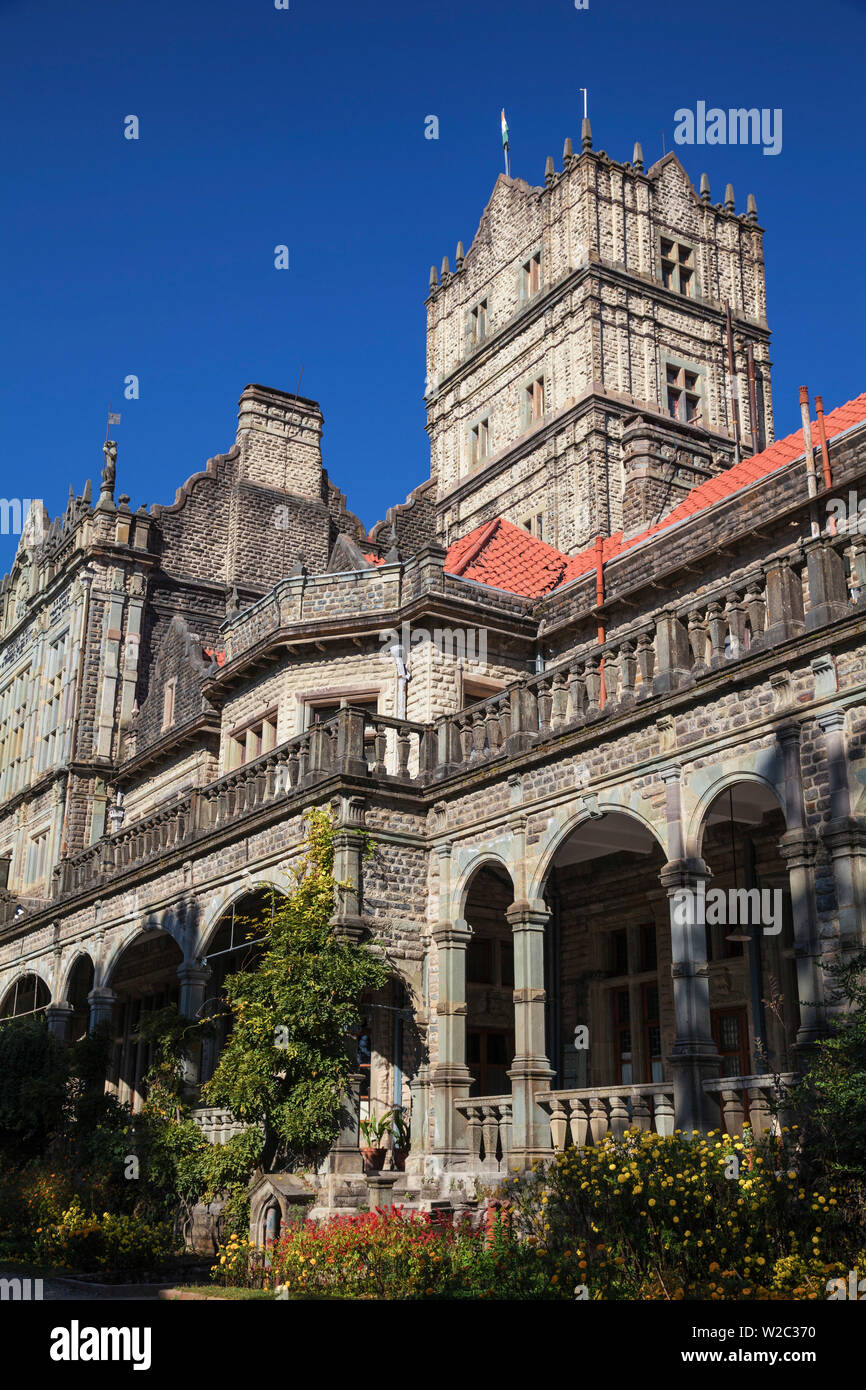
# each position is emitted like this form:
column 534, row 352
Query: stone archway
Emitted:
column 27, row 997
column 143, row 979
column 609, row 1005
column 745, row 902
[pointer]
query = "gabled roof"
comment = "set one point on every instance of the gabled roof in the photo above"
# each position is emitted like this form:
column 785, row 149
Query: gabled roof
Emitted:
column 505, row 556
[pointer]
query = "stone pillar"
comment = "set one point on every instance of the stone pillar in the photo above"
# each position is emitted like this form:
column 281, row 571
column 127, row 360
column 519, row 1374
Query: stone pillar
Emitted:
column 450, row 1078
column 784, row 593
column 530, row 1071
column 844, row 836
column 419, row 1088
column 193, row 991
column 58, row 1017
column 694, row 1058
column 102, row 1001
column 345, row 1155
column 673, row 666
column 828, row 590
column 797, row 848
column 348, row 870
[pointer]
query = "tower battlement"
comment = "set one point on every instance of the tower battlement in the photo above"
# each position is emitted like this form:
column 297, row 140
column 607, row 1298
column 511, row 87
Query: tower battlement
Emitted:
column 607, row 290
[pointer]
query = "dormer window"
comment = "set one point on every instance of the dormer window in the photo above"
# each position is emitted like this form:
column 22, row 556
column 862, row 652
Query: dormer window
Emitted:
column 678, row 267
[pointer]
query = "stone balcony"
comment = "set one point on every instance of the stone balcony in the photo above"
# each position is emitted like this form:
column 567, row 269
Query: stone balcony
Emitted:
column 692, row 647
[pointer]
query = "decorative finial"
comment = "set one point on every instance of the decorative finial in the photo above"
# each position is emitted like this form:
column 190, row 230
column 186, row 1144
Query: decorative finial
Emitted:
column 87, row 494
column 705, row 188
column 434, row 283
column 586, row 134
column 549, row 170
column 729, row 197
column 752, row 208
column 445, row 271
column 637, row 156
column 460, row 257
column 567, row 149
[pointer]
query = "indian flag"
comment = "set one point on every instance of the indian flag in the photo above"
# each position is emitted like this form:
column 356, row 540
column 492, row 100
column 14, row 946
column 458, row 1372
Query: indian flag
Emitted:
column 504, row 130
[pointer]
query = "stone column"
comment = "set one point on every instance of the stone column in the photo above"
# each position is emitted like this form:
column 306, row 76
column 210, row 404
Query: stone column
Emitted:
column 348, row 868
column 694, row 1056
column 419, row 1088
column 193, row 978
column 345, row 1155
column 58, row 1017
column 797, row 848
column 531, row 1070
column 450, row 1078
column 102, row 1001
column 844, row 836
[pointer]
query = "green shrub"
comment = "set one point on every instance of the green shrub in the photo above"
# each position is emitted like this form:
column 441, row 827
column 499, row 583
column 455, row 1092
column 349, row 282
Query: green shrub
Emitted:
column 708, row 1217
column 107, row 1243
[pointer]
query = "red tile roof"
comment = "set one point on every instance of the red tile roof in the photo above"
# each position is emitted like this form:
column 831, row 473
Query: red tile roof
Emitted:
column 507, row 557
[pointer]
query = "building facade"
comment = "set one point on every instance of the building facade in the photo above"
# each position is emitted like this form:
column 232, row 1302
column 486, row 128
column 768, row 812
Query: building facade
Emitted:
column 596, row 691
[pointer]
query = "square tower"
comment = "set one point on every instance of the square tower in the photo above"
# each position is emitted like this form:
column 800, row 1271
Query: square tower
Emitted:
column 606, row 294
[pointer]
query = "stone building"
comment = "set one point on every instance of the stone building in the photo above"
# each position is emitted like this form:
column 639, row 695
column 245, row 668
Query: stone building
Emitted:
column 607, row 661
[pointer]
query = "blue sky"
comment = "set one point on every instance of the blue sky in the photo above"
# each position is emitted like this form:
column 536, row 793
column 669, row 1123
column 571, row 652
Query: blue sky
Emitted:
column 305, row 127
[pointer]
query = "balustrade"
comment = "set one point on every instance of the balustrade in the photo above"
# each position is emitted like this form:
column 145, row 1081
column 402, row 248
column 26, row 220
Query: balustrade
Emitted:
column 586, row 1116
column 760, row 1101
column 488, row 1129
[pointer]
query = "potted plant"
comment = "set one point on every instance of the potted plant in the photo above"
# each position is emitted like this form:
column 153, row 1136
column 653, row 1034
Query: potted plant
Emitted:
column 374, row 1130
column 400, row 1130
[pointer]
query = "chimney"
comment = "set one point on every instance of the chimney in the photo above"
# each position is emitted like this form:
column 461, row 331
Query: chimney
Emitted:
column 662, row 460
column 280, row 439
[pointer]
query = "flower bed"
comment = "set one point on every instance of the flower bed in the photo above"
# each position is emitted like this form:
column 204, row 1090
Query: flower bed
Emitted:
column 705, row 1217
column 389, row 1253
column 643, row 1217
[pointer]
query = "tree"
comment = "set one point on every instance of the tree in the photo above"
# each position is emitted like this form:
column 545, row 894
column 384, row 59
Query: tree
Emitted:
column 34, row 1077
column 287, row 1061
column 832, row 1094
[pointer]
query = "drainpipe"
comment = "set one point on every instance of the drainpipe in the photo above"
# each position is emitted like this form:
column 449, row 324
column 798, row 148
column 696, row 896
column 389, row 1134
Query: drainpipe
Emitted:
column 822, row 435
column 599, row 600
column 732, row 378
column 811, row 477
column 753, row 396
column 397, row 1053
